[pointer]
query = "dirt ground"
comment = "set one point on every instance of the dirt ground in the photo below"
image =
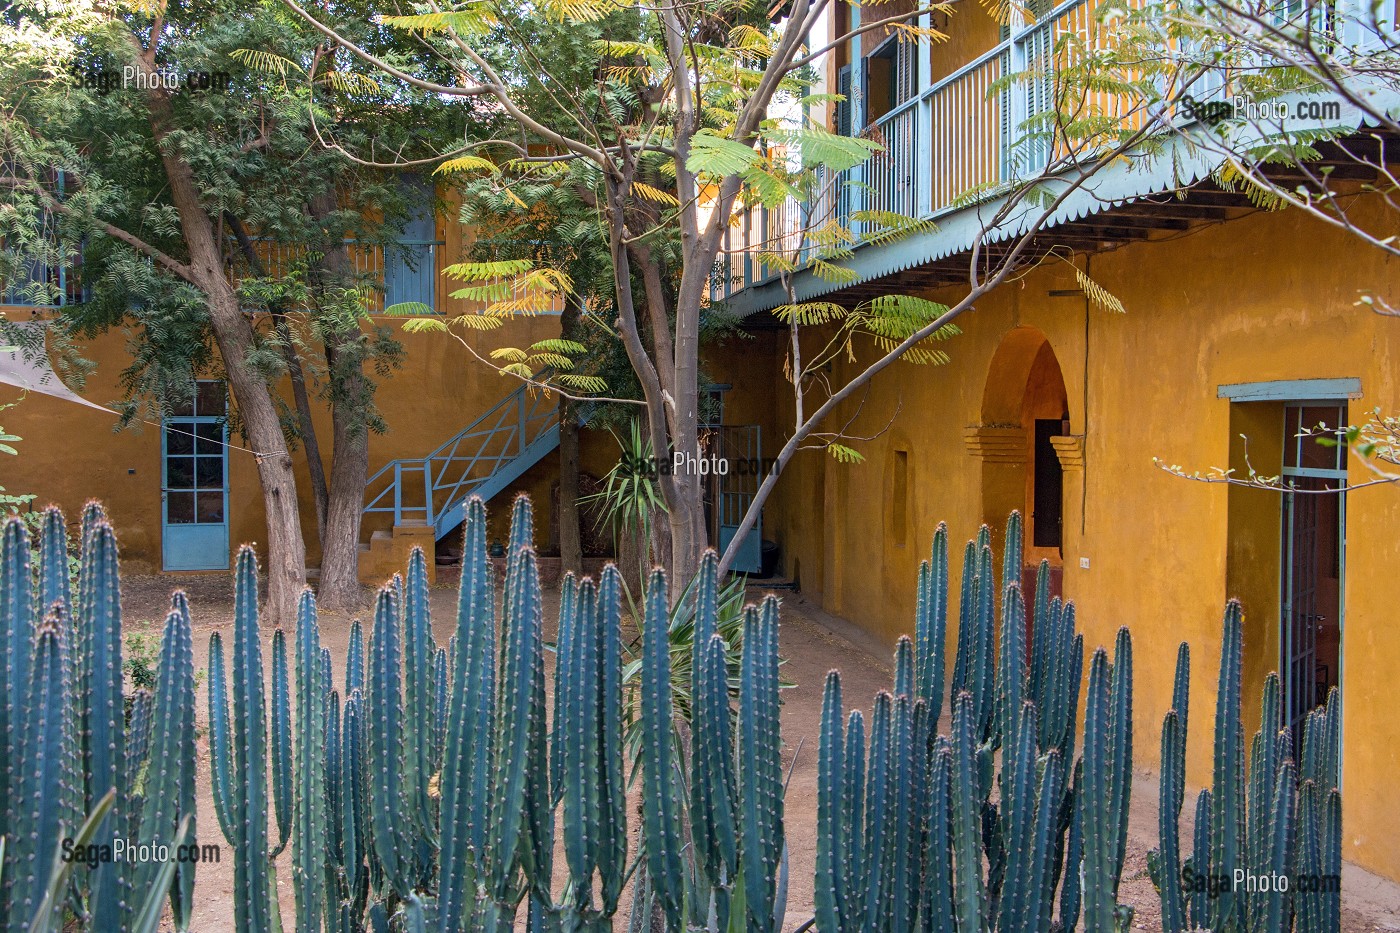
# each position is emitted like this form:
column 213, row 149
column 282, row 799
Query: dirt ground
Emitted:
column 812, row 643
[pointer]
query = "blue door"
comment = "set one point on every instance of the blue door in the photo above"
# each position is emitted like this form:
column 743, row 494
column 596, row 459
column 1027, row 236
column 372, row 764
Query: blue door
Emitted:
column 410, row 266
column 194, row 482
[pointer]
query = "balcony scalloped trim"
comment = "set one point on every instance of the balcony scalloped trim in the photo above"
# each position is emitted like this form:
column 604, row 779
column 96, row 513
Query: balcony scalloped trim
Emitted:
column 1070, row 449
column 996, row 445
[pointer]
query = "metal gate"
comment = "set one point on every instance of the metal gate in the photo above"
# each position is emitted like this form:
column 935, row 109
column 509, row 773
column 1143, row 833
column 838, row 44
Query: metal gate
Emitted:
column 1312, row 538
column 740, row 447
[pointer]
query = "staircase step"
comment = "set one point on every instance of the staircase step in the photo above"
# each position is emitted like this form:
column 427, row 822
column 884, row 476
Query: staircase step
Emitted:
column 417, row 529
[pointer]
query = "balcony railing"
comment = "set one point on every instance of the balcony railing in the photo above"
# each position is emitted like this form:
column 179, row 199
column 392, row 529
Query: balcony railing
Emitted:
column 43, row 287
column 957, row 143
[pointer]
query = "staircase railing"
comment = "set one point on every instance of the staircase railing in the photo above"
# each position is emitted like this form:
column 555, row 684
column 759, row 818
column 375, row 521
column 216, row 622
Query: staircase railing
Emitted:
column 481, row 459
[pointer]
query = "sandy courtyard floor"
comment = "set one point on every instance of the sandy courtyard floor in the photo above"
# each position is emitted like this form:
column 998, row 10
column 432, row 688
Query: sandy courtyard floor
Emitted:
column 812, row 643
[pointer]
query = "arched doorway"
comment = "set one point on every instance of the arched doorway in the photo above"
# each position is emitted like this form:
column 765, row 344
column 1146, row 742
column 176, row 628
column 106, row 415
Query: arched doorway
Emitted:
column 1024, row 406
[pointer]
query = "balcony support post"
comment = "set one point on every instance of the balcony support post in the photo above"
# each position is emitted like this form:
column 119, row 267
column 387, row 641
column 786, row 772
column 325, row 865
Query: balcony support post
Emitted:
column 923, row 123
column 398, row 492
column 857, row 104
column 1015, row 98
column 428, row 491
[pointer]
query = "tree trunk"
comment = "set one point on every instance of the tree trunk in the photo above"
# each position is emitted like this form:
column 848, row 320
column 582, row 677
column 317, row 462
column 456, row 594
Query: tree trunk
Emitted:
column 689, row 536
column 661, row 545
column 233, row 333
column 286, row 550
column 340, row 545
column 570, row 535
column 631, row 560
column 307, row 428
column 340, row 548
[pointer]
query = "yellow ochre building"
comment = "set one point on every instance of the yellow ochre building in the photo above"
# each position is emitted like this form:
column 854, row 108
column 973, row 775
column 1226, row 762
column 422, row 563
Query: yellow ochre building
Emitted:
column 1240, row 327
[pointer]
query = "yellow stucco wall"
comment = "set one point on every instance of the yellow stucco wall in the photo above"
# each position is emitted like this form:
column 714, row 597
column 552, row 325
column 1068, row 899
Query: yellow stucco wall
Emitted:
column 70, row 454
column 1264, row 297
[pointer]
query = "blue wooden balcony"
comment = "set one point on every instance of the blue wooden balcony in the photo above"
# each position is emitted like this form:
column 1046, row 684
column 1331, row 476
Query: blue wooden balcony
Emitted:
column 950, row 154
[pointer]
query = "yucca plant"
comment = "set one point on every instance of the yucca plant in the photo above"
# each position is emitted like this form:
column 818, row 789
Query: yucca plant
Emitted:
column 629, row 504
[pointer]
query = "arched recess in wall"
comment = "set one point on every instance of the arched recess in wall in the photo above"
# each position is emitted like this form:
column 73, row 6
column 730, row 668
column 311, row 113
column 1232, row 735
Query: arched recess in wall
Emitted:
column 1024, row 405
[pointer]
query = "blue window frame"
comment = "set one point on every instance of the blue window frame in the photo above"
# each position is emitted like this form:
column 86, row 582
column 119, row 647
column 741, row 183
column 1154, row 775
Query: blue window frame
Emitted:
column 194, row 481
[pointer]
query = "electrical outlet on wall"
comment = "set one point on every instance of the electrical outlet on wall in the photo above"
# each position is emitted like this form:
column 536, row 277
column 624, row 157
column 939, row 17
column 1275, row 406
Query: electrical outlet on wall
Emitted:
column 1083, row 563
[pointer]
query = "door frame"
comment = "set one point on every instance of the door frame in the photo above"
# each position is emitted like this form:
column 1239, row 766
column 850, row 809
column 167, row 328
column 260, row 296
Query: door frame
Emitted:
column 1286, row 515
column 222, row 421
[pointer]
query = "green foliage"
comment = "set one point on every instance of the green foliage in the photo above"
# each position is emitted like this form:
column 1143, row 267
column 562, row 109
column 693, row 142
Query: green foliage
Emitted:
column 141, row 655
column 74, row 749
column 88, row 181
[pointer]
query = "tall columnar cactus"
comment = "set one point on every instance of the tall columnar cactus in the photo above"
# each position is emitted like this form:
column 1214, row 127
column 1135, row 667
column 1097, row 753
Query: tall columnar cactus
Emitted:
column 980, row 829
column 833, row 838
column 760, row 762
column 317, row 728
column 1227, row 789
column 105, row 752
column 170, row 772
column 660, row 806
column 419, row 664
column 239, row 748
column 931, row 625
column 471, row 707
column 713, row 796
column 516, row 857
column 1107, row 769
column 39, row 798
column 1276, row 822
column 384, row 709
column 72, row 752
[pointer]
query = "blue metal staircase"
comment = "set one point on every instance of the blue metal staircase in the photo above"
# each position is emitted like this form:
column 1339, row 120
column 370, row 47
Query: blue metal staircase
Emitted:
column 482, row 459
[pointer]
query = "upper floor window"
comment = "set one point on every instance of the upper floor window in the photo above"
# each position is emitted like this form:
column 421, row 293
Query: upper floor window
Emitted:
column 890, row 76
